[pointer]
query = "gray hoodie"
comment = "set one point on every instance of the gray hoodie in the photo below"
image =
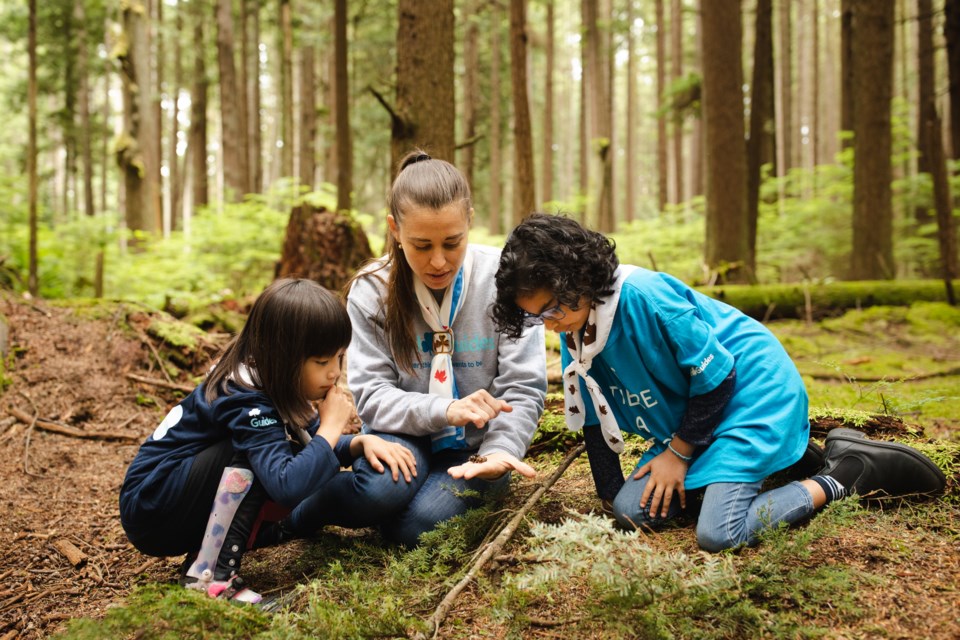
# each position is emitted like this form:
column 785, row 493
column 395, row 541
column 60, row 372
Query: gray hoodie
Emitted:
column 393, row 401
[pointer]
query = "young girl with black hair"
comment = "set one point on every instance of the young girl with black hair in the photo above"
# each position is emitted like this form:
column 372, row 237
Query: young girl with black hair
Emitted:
column 429, row 370
column 250, row 440
column 713, row 389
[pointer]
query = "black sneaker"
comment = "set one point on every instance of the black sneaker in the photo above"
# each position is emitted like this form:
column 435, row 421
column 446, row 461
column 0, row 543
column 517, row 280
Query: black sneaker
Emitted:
column 886, row 469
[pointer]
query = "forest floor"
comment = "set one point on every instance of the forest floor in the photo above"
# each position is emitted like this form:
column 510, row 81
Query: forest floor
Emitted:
column 63, row 554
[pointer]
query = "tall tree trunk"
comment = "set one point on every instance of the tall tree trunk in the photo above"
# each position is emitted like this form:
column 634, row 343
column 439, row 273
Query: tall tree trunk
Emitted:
column 496, row 125
column 69, row 125
column 927, row 107
column 286, row 89
column 951, row 32
column 234, row 157
column 155, row 35
column 630, row 190
column 197, row 144
column 83, row 105
column 605, row 143
column 815, row 112
column 946, row 227
column 662, row 170
column 176, row 180
column 846, row 69
column 872, row 26
column 243, row 85
column 425, row 108
column 32, row 271
column 524, row 182
column 761, row 117
column 342, row 92
column 587, row 81
column 136, row 155
column 471, row 91
column 308, row 117
column 784, row 97
column 104, row 151
column 676, row 72
column 254, row 136
column 696, row 152
column 546, row 189
column 726, row 241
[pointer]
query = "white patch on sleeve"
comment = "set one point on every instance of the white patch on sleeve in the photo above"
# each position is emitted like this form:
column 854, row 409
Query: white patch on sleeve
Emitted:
column 172, row 419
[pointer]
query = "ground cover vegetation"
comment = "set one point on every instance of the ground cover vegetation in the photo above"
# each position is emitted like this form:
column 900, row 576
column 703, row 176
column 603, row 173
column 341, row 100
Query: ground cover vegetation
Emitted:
column 852, row 571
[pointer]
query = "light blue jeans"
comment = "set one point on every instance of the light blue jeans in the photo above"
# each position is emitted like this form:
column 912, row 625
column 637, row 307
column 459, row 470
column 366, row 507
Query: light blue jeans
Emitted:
column 733, row 513
column 401, row 510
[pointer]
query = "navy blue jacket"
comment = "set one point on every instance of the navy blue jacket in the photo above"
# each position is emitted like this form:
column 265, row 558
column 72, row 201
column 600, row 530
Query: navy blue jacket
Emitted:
column 157, row 475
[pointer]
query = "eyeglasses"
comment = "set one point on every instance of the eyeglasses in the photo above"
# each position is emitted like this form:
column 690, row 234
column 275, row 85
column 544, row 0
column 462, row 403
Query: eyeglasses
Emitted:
column 535, row 319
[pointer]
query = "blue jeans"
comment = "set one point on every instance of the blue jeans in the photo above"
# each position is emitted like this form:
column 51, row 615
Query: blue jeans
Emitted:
column 401, row 510
column 733, row 513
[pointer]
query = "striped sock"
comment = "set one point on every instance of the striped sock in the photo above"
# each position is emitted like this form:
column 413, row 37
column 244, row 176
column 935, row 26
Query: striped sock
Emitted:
column 831, row 486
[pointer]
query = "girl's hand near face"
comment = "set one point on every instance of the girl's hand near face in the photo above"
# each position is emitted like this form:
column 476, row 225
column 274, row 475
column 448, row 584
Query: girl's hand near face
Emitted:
column 495, row 465
column 336, row 411
column 378, row 451
column 478, row 408
column 667, row 473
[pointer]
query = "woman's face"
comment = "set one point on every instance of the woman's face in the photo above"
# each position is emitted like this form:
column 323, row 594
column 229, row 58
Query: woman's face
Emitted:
column 556, row 317
column 434, row 241
column 319, row 374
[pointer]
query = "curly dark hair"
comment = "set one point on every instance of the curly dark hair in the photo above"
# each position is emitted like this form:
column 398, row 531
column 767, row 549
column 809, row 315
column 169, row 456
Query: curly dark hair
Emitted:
column 555, row 253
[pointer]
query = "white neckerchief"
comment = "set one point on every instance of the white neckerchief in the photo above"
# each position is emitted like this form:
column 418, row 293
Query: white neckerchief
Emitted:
column 440, row 319
column 595, row 335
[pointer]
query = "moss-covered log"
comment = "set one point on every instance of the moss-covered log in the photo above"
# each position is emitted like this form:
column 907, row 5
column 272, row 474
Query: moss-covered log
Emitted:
column 769, row 302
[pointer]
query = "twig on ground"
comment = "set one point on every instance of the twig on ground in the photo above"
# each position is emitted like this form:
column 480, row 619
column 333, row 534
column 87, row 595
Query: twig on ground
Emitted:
column 160, row 383
column 65, row 430
column 146, row 340
column 26, row 440
column 502, row 538
column 69, row 551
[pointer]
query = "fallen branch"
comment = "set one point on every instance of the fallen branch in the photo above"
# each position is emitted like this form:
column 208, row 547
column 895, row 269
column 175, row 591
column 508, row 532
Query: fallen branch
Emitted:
column 502, row 538
column 145, row 340
column 69, row 551
column 73, row 432
column 160, row 383
column 26, row 443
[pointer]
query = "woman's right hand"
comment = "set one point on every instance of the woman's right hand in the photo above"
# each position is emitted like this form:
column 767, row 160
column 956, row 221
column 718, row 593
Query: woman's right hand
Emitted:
column 478, row 408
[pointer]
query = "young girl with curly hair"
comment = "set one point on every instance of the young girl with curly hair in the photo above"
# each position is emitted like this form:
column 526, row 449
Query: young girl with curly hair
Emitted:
column 712, row 389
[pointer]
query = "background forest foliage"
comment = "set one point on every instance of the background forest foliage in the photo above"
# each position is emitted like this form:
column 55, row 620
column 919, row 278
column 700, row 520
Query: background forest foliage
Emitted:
column 617, row 132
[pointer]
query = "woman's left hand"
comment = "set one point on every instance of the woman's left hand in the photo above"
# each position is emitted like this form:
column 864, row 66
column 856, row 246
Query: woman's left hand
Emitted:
column 378, row 451
column 495, row 465
column 667, row 473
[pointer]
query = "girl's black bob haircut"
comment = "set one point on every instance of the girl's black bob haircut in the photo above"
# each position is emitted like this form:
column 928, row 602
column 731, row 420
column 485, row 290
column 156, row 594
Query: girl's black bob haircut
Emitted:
column 292, row 320
column 555, row 253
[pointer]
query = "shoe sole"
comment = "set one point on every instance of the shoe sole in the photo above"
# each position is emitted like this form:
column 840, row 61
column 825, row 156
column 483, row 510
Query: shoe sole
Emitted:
column 852, row 435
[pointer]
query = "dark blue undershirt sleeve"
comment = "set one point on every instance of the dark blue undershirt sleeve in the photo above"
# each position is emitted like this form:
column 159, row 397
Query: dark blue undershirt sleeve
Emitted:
column 604, row 463
column 704, row 412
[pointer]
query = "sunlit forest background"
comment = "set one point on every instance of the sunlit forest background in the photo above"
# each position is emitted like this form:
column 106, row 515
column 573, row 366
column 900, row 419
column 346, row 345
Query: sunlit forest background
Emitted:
column 154, row 149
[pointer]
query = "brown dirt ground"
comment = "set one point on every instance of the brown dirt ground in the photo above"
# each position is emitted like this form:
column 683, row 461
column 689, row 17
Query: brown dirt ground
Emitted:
column 60, row 491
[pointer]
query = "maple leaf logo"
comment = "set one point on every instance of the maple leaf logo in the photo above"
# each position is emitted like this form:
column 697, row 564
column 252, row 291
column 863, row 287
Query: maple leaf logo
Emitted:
column 574, row 410
column 441, row 376
column 614, row 440
column 603, row 410
column 573, row 389
column 570, row 343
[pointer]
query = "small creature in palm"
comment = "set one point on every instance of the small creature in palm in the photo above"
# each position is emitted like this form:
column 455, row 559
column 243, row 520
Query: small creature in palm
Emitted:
column 478, row 459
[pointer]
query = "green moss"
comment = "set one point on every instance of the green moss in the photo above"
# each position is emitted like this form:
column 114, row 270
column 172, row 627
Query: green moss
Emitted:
column 176, row 333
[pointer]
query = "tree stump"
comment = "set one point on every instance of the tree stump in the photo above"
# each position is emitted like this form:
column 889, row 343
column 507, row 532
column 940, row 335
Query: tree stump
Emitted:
column 323, row 246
